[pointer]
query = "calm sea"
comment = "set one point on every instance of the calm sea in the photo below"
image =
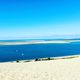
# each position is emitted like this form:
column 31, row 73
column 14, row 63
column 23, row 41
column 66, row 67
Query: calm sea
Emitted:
column 32, row 51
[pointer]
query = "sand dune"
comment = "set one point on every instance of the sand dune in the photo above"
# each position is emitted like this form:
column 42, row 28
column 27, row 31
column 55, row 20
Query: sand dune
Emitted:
column 62, row 69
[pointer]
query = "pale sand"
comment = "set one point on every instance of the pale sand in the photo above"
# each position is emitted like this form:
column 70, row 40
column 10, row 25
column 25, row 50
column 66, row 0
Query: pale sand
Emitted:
column 62, row 69
column 39, row 42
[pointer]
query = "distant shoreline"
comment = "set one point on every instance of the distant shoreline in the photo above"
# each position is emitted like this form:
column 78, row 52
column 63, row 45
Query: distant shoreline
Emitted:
column 39, row 42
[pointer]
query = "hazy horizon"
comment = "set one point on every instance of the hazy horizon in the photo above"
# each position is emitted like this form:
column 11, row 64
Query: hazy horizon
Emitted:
column 46, row 37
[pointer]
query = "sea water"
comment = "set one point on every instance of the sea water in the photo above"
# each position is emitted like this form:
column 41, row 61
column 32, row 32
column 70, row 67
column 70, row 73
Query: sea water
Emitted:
column 33, row 51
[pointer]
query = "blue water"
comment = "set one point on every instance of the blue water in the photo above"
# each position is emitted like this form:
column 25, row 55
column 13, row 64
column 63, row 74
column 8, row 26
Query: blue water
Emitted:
column 32, row 51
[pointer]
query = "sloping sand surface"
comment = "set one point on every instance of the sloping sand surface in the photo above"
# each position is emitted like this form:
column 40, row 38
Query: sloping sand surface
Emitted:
column 63, row 69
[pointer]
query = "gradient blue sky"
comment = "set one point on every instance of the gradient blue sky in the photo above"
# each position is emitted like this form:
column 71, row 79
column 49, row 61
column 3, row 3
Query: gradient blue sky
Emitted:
column 39, row 18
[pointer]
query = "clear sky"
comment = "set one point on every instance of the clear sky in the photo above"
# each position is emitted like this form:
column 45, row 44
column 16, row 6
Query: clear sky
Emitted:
column 39, row 18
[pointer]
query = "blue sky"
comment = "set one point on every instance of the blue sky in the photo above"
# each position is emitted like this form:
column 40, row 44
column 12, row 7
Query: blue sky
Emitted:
column 39, row 18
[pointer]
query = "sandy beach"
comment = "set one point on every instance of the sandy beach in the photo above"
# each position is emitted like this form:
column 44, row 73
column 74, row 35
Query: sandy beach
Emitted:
column 61, row 69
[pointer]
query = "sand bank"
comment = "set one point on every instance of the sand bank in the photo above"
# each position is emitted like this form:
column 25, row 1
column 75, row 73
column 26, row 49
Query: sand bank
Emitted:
column 40, row 42
column 62, row 69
